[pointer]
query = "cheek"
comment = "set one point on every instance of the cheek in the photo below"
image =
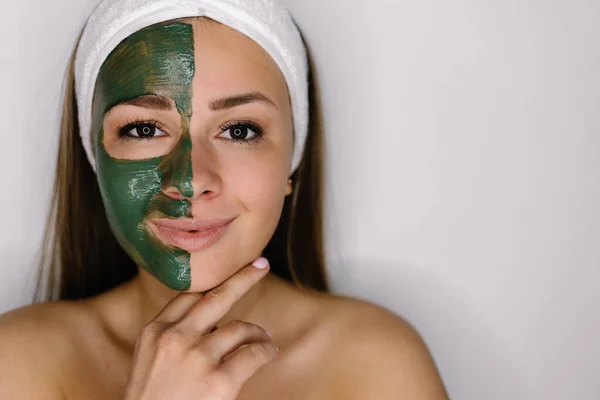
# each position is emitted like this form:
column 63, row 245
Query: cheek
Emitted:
column 131, row 191
column 127, row 187
column 257, row 176
column 259, row 181
column 257, row 185
column 261, row 190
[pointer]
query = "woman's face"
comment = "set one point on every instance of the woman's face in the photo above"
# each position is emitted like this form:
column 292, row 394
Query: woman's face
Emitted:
column 192, row 129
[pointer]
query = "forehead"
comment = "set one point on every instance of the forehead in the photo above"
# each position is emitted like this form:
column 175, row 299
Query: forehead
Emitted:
column 184, row 59
column 156, row 60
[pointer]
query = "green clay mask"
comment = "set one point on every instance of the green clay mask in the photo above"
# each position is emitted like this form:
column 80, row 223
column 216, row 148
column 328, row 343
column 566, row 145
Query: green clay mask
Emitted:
column 158, row 60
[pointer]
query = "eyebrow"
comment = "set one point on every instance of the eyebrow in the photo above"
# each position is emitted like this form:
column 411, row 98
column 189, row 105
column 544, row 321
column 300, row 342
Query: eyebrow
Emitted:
column 225, row 103
column 150, row 101
column 238, row 100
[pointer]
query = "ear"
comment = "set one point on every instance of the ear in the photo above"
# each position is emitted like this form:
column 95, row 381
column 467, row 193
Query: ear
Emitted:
column 289, row 189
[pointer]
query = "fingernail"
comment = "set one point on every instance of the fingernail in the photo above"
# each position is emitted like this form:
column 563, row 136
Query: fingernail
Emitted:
column 269, row 333
column 261, row 263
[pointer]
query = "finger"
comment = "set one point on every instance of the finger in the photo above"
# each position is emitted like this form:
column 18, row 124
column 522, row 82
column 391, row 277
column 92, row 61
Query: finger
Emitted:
column 244, row 363
column 230, row 337
column 178, row 307
column 218, row 301
column 232, row 354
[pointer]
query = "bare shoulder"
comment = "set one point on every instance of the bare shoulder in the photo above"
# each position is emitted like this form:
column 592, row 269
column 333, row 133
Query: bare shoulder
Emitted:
column 375, row 353
column 34, row 341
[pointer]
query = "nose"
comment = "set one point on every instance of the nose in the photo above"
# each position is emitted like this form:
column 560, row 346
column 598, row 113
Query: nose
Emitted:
column 190, row 171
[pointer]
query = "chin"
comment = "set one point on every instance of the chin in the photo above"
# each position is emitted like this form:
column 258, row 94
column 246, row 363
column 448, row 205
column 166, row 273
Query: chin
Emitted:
column 210, row 270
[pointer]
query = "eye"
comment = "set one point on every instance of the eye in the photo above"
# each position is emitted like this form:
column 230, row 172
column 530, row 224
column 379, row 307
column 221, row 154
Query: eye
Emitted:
column 141, row 130
column 242, row 131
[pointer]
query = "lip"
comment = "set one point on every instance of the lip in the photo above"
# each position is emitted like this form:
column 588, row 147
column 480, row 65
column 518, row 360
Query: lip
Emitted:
column 190, row 235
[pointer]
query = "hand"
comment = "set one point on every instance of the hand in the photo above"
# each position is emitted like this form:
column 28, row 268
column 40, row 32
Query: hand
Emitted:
column 178, row 357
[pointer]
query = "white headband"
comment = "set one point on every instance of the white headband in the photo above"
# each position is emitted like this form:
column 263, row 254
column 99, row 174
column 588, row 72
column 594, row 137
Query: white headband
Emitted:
column 265, row 21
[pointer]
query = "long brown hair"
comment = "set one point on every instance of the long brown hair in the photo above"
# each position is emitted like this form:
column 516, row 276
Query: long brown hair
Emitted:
column 81, row 257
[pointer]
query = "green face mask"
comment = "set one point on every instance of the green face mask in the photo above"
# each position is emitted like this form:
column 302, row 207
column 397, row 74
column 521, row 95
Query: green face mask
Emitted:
column 158, row 60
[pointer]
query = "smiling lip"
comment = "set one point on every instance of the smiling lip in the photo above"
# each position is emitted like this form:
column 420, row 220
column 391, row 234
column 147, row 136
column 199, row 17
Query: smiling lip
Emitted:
column 190, row 235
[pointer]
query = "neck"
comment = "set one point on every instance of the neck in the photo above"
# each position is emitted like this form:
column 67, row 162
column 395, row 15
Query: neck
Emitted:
column 153, row 296
column 272, row 303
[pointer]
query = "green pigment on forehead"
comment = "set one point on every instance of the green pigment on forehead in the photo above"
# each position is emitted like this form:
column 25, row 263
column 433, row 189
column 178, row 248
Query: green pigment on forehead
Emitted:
column 158, row 60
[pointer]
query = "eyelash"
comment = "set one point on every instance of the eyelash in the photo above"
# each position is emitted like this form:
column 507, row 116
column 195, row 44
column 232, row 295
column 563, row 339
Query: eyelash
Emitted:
column 128, row 126
column 247, row 124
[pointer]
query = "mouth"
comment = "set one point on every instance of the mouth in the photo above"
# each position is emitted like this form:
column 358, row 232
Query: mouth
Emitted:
column 190, row 235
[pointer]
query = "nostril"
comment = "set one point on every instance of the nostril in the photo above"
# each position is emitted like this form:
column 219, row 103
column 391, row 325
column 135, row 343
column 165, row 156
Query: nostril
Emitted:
column 174, row 194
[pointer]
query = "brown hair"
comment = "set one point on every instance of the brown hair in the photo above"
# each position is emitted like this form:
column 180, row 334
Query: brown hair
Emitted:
column 81, row 257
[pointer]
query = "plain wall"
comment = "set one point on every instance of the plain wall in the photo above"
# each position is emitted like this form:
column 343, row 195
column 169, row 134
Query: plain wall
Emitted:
column 463, row 173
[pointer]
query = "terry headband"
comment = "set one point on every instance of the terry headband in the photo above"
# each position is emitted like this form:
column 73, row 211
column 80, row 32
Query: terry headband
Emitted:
column 266, row 22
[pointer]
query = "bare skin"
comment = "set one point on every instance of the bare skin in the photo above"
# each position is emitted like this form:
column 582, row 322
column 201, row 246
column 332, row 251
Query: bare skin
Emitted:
column 330, row 347
column 122, row 345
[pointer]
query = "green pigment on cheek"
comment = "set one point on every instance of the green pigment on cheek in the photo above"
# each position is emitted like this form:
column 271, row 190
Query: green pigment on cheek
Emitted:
column 158, row 60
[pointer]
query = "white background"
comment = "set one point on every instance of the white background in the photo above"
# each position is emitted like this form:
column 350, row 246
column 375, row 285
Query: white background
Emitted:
column 463, row 173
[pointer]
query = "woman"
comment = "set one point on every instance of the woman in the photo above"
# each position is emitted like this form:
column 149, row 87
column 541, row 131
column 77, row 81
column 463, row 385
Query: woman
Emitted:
column 188, row 249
